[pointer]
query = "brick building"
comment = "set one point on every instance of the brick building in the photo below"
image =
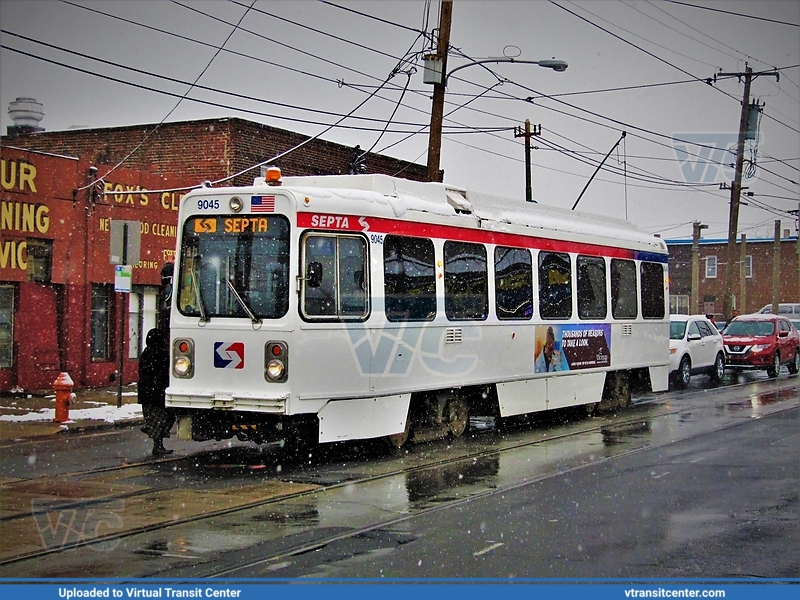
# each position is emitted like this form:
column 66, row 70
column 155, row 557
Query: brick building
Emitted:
column 713, row 255
column 59, row 310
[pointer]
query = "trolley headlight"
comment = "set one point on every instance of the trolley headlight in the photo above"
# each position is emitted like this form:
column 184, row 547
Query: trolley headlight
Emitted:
column 275, row 370
column 182, row 366
column 235, row 203
column 276, row 361
column 183, row 358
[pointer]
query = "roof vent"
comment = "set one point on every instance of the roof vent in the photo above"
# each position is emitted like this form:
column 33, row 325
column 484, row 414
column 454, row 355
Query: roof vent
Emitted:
column 26, row 113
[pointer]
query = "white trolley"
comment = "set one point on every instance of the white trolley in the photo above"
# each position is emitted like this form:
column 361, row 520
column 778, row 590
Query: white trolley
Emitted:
column 362, row 306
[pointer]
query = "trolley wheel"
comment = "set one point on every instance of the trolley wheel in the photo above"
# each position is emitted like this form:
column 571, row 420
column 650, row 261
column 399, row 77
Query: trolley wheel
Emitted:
column 398, row 440
column 458, row 416
column 591, row 408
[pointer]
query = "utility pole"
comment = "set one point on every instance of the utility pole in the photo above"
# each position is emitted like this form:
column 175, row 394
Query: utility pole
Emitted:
column 694, row 307
column 736, row 190
column 743, row 274
column 527, row 135
column 736, row 185
column 437, row 109
column 776, row 268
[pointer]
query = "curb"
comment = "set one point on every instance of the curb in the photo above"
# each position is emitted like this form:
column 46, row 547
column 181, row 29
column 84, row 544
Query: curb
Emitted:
column 94, row 427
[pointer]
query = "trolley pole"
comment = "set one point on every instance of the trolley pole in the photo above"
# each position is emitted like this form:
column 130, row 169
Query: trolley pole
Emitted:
column 537, row 130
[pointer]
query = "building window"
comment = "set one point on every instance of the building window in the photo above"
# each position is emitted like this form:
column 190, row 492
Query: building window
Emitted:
column 678, row 305
column 134, row 324
column 102, row 295
column 748, row 266
column 711, row 267
column 40, row 259
column 6, row 326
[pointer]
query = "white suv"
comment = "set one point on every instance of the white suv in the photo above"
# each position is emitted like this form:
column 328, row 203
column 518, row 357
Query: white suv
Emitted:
column 695, row 346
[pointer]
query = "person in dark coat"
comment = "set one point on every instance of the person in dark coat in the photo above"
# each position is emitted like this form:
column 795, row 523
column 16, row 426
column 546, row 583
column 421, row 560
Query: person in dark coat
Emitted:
column 153, row 381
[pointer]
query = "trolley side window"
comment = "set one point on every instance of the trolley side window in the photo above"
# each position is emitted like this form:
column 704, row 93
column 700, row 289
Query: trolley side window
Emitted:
column 624, row 291
column 652, row 290
column 466, row 282
column 409, row 278
column 555, row 285
column 591, row 287
column 334, row 277
column 513, row 281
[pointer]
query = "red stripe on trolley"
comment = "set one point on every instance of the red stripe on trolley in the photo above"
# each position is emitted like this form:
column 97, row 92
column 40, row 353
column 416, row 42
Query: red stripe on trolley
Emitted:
column 324, row 221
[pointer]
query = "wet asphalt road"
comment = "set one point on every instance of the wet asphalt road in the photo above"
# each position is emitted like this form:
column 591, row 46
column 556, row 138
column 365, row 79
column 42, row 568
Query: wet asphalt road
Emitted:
column 690, row 484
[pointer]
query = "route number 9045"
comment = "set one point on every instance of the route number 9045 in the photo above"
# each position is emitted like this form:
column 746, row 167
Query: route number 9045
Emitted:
column 207, row 204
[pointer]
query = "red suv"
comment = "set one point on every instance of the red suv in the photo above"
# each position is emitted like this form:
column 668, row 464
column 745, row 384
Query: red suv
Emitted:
column 762, row 341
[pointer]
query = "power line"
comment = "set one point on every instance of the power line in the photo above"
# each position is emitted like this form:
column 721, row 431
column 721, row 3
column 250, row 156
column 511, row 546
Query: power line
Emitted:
column 659, row 58
column 728, row 12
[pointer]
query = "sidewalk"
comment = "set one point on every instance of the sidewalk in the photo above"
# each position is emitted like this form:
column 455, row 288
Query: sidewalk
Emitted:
column 28, row 414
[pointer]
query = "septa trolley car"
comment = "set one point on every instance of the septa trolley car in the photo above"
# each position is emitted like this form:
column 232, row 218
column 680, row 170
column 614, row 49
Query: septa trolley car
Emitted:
column 363, row 306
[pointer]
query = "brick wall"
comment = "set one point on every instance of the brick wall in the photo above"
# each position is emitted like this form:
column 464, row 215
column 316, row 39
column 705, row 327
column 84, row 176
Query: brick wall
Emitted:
column 211, row 149
column 758, row 288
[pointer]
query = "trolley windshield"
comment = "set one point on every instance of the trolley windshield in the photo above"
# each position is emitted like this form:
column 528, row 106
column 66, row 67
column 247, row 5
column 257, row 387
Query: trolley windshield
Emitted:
column 234, row 266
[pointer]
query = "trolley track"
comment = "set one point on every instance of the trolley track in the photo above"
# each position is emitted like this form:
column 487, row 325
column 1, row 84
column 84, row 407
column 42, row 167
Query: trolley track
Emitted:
column 323, row 478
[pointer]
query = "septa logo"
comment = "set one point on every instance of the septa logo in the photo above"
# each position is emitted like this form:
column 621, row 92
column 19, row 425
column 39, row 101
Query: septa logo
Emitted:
column 228, row 356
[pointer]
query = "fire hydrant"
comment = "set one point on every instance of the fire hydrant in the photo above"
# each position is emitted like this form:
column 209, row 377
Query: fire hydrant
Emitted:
column 63, row 387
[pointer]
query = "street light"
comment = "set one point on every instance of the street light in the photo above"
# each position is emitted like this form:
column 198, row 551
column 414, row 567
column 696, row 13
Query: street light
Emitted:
column 435, row 73
column 552, row 63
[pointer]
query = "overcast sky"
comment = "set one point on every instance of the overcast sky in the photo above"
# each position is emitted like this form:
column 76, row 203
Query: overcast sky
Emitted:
column 635, row 66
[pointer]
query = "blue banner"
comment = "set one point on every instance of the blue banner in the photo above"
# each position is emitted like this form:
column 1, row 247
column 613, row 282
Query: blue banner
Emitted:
column 365, row 589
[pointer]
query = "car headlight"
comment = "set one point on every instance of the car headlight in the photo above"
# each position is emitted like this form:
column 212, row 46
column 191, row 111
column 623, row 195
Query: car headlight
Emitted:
column 761, row 347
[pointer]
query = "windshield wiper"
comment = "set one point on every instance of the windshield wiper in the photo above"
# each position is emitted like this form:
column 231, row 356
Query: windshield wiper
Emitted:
column 198, row 296
column 254, row 319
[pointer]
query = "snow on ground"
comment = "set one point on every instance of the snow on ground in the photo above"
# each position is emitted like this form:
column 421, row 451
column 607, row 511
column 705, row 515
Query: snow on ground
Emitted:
column 103, row 412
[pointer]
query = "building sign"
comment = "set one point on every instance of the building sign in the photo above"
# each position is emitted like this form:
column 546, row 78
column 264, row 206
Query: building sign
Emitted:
column 123, row 275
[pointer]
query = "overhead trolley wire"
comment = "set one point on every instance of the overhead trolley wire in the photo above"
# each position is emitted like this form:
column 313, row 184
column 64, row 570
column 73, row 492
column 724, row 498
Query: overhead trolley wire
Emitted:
column 728, row 12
